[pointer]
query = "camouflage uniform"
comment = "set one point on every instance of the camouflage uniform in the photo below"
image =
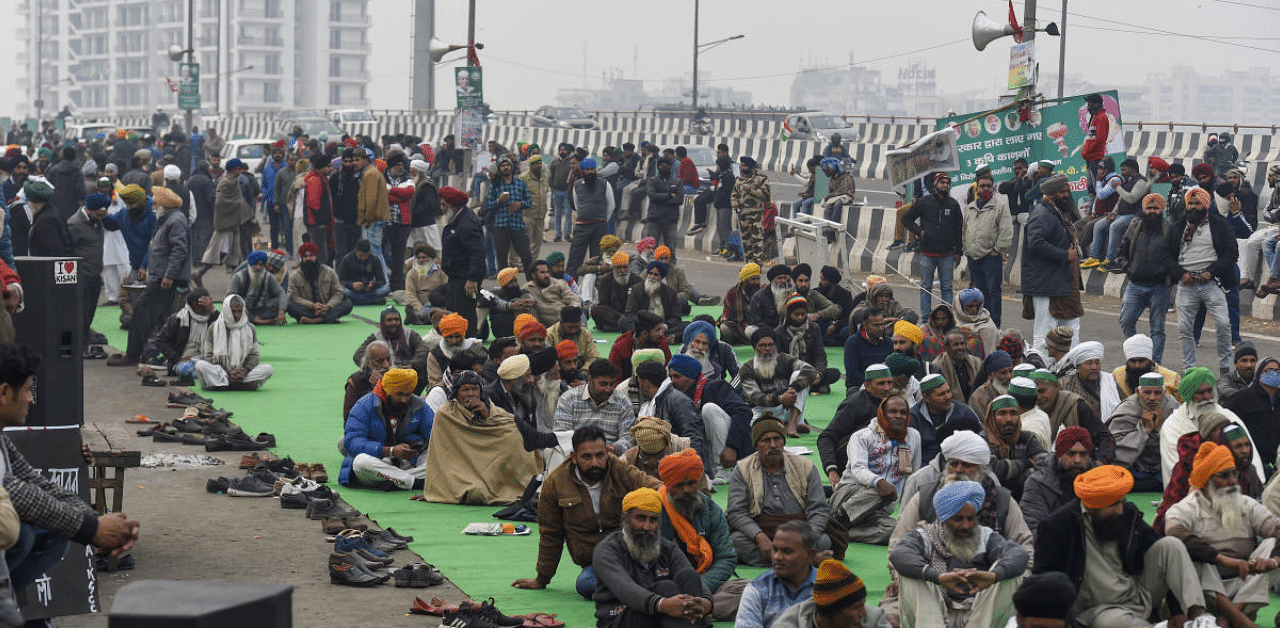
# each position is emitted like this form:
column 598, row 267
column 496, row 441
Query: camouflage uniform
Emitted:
column 750, row 194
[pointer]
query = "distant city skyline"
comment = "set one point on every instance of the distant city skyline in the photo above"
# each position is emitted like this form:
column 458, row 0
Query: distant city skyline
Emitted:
column 532, row 51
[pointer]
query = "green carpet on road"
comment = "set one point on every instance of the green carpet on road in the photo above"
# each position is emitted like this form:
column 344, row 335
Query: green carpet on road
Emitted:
column 302, row 406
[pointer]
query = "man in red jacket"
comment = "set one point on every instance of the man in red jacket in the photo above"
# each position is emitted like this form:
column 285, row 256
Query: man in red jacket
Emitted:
column 318, row 206
column 1095, row 141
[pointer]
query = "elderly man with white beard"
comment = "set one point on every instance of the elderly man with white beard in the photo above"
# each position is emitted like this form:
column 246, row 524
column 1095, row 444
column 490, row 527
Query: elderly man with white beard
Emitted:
column 776, row 381
column 453, row 330
column 1101, row 393
column 516, row 392
column 644, row 580
column 768, row 306
column 716, row 356
column 1220, row 528
column 656, row 296
column 997, row 369
column 955, row 572
column 1197, row 389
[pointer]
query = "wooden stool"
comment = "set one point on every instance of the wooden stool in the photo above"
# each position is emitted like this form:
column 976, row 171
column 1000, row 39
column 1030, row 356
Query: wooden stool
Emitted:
column 100, row 483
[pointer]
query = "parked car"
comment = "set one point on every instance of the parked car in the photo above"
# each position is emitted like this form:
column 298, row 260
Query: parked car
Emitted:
column 703, row 157
column 818, row 126
column 354, row 121
column 250, row 151
column 312, row 127
column 89, row 131
column 563, row 117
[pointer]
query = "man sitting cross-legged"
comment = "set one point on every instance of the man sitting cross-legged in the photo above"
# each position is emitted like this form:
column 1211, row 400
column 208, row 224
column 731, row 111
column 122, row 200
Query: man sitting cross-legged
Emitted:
column 697, row 525
column 230, row 356
column 387, row 434
column 315, row 294
column 645, row 581
column 955, row 572
column 881, row 456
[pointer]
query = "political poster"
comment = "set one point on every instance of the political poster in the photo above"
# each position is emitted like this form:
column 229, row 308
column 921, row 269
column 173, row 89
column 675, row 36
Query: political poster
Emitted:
column 469, row 87
column 934, row 152
column 71, row 587
column 1054, row 131
column 189, row 86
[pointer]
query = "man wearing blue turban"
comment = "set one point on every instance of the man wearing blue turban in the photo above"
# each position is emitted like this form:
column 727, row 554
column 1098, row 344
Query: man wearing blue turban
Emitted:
column 264, row 298
column 954, row 572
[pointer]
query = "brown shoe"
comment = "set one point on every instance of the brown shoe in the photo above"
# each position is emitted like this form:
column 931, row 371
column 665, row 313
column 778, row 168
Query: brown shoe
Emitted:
column 333, row 525
column 318, row 473
column 303, row 470
column 355, row 523
column 120, row 359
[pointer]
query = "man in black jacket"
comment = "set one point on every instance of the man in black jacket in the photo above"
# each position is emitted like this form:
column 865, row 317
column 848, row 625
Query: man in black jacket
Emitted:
column 462, row 255
column 1078, row 539
column 855, row 412
column 200, row 184
column 345, row 184
column 68, row 184
column 1202, row 251
column 938, row 225
column 1142, row 255
column 49, row 236
column 612, row 294
column 726, row 417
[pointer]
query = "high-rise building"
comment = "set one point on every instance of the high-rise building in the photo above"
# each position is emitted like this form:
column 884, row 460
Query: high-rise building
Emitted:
column 109, row 57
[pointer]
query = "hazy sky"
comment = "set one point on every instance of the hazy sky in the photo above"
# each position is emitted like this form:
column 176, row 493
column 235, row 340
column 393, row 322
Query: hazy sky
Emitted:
column 533, row 48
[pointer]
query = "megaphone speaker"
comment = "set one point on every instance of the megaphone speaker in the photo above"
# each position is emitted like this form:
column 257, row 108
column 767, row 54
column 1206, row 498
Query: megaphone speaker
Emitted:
column 987, row 30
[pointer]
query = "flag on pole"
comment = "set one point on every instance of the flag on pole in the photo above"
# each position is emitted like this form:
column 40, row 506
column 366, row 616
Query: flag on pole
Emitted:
column 1013, row 21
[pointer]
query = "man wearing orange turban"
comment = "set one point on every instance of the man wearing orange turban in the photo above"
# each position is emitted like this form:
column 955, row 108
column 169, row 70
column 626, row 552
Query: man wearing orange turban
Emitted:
column 1220, row 527
column 690, row 517
column 1123, row 567
column 453, row 341
column 386, row 435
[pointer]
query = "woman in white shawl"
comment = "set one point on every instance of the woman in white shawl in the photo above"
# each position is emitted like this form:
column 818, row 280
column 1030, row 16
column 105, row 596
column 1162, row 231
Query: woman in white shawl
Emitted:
column 230, row 358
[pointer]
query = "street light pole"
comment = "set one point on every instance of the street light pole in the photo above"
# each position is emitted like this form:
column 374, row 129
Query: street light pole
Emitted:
column 1029, row 35
column 695, row 57
column 189, row 121
column 1062, row 50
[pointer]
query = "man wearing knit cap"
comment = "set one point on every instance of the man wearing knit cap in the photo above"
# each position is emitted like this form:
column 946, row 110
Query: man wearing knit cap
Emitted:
column 1136, row 425
column 1202, row 252
column 571, row 328
column 1050, row 485
column 264, row 297
column 857, row 411
column 462, row 255
column 315, row 292
column 87, row 241
column 643, row 578
column 1043, row 600
column 1101, row 393
column 569, row 514
column 1050, row 280
column 1057, row 343
column 768, row 305
column 1220, row 527
column 695, row 523
column 726, row 417
column 1199, row 401
column 386, row 435
column 777, row 381
column 1122, row 567
column 773, row 486
column 47, row 235
column 550, row 294
column 655, row 296
column 939, row 412
column 168, row 272
column 453, row 341
column 611, row 293
column 1016, row 451
column 737, row 302
column 839, row 600
column 1143, row 255
column 1139, row 353
column 594, row 201
column 802, row 338
column 881, row 456
column 954, row 571
column 1244, row 365
column 408, row 349
column 939, row 234
column 715, row 358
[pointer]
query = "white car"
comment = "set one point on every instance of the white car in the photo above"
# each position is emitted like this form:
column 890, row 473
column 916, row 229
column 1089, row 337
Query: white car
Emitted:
column 819, row 126
column 250, row 151
column 354, row 121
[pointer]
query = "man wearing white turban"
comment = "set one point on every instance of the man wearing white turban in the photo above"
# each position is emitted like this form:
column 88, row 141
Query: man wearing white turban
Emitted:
column 1139, row 356
column 1099, row 392
column 954, row 571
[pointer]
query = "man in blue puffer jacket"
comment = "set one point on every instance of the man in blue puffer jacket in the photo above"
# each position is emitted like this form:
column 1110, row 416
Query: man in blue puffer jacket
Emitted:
column 386, row 435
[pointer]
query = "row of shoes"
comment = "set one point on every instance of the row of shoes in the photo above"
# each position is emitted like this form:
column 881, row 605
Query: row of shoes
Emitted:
column 473, row 614
column 359, row 558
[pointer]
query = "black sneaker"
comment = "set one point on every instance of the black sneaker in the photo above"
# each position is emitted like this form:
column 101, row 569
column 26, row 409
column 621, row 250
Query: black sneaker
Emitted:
column 695, row 230
column 217, row 485
column 250, row 487
column 322, row 508
column 295, row 500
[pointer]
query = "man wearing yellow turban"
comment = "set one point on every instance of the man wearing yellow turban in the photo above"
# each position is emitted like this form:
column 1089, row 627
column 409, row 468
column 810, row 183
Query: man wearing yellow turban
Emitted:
column 1123, row 567
column 644, row 576
column 386, row 435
